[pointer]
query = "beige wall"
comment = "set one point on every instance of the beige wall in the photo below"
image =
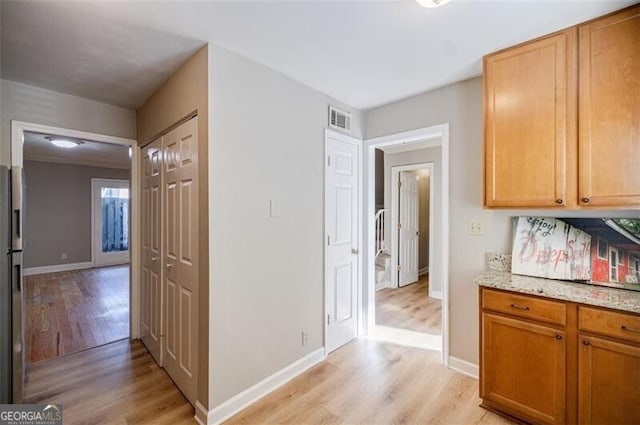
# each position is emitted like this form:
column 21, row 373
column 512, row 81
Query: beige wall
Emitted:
column 39, row 106
column 460, row 105
column 58, row 198
column 184, row 94
column 423, row 189
column 426, row 155
column 267, row 273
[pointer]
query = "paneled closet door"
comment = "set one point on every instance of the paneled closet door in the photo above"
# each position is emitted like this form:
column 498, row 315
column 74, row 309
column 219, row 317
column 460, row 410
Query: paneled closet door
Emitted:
column 151, row 298
column 180, row 198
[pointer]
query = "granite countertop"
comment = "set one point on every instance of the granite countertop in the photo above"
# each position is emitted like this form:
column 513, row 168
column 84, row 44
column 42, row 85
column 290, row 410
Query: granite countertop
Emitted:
column 619, row 299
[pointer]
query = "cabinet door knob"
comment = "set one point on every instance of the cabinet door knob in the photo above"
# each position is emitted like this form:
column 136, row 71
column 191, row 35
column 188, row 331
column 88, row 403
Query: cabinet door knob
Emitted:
column 558, row 337
column 585, row 200
column 559, row 201
column 586, row 342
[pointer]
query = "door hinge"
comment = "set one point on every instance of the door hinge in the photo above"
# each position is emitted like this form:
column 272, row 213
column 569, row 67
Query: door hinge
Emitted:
column 328, row 161
column 328, row 319
column 399, row 183
column 328, row 240
column 399, row 225
column 399, row 268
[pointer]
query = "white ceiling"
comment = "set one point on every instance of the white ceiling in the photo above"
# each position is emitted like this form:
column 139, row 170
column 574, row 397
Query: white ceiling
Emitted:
column 38, row 148
column 364, row 53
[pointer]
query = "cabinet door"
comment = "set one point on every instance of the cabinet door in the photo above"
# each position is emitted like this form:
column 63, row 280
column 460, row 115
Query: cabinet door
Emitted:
column 609, row 382
column 530, row 124
column 523, row 368
column 609, row 143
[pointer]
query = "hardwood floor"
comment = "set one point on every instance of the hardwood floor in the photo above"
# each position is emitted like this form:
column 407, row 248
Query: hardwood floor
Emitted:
column 71, row 311
column 375, row 381
column 409, row 308
column 367, row 381
column 118, row 383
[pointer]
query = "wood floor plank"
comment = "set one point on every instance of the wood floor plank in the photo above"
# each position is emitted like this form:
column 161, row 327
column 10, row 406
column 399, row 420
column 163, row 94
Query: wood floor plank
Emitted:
column 75, row 310
column 118, row 383
column 379, row 382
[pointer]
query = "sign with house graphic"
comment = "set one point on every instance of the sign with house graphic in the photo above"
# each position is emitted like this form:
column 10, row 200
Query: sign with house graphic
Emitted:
column 601, row 251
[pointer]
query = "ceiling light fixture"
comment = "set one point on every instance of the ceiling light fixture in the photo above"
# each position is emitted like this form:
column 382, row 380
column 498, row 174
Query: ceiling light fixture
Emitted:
column 65, row 143
column 432, row 3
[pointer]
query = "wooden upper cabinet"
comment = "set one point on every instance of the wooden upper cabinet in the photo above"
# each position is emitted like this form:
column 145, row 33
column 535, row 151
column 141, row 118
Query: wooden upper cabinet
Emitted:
column 609, row 110
column 530, row 123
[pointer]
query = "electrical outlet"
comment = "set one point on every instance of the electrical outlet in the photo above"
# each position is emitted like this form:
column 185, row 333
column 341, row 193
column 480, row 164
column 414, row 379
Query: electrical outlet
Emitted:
column 63, row 256
column 475, row 228
column 305, row 338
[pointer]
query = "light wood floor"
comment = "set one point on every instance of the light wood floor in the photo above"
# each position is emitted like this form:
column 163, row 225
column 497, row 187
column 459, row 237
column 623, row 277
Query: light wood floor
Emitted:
column 365, row 382
column 409, row 308
column 71, row 311
column 374, row 382
column 118, row 383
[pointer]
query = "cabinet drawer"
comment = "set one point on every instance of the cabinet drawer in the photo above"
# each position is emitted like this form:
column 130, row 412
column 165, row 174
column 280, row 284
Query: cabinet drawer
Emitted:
column 525, row 306
column 609, row 323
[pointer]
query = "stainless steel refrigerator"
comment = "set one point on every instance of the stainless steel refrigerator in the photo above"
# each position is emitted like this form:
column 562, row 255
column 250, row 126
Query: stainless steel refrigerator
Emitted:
column 11, row 285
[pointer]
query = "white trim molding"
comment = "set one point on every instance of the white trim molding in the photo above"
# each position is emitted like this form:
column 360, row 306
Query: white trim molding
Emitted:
column 17, row 141
column 242, row 400
column 436, row 135
column 423, row 270
column 30, row 271
column 464, row 367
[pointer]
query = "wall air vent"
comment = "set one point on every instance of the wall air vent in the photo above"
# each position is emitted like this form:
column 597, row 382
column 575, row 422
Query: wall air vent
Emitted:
column 339, row 119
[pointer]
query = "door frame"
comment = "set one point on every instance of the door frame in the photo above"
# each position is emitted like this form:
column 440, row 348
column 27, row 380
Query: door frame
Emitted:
column 436, row 135
column 395, row 206
column 95, row 227
column 17, row 139
column 332, row 134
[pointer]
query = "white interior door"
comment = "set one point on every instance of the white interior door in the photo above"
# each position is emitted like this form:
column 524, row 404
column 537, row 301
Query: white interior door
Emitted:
column 341, row 255
column 180, row 198
column 151, row 294
column 110, row 233
column 408, row 229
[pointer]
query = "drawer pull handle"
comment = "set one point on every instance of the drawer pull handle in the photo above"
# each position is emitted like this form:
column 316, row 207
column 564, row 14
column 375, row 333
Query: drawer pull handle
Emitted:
column 635, row 331
column 520, row 307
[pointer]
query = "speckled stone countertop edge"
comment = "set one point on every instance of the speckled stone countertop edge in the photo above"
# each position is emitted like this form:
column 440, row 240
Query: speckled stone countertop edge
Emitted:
column 613, row 298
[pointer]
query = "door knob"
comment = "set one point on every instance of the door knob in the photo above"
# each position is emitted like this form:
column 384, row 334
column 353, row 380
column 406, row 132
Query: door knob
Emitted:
column 354, row 251
column 169, row 265
column 154, row 259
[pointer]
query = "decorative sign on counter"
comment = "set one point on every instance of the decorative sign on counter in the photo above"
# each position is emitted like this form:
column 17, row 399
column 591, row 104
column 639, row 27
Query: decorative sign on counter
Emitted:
column 601, row 251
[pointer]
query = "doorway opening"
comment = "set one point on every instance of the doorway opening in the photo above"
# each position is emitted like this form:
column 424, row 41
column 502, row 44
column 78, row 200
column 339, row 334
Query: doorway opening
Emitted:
column 79, row 273
column 406, row 283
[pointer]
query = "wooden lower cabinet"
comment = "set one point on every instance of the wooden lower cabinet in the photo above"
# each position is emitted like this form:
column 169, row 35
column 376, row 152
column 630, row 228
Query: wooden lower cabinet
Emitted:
column 580, row 364
column 608, row 382
column 523, row 368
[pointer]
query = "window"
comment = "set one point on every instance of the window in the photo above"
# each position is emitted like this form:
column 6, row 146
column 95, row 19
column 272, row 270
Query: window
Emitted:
column 115, row 219
column 603, row 248
column 614, row 260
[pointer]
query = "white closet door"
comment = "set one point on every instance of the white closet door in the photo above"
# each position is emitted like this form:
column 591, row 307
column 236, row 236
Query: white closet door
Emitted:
column 180, row 198
column 151, row 297
column 408, row 234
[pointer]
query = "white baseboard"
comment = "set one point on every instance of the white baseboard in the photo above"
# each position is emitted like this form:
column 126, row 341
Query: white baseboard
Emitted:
column 56, row 268
column 201, row 413
column 423, row 270
column 242, row 400
column 464, row 367
column 435, row 294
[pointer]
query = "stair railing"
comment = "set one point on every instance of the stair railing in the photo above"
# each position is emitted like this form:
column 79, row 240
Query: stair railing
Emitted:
column 380, row 222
